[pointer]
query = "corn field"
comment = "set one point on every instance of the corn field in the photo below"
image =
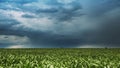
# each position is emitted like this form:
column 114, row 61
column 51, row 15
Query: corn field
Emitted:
column 60, row 58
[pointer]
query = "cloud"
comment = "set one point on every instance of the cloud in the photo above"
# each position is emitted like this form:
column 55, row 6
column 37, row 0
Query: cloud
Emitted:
column 91, row 46
column 60, row 23
column 13, row 39
column 16, row 46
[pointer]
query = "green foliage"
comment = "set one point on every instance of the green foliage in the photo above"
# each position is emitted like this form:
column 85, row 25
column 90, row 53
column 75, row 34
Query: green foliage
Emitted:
column 60, row 58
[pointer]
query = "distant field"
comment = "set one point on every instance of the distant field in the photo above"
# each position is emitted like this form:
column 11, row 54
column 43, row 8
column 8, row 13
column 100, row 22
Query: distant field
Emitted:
column 60, row 58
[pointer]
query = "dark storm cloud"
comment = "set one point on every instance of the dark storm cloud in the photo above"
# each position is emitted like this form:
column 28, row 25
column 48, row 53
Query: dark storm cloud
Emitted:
column 4, row 45
column 62, row 12
column 109, row 34
column 47, row 10
column 8, row 23
column 55, row 40
column 28, row 16
column 60, row 23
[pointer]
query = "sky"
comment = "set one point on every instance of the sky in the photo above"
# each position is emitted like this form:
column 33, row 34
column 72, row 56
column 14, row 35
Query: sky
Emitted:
column 59, row 23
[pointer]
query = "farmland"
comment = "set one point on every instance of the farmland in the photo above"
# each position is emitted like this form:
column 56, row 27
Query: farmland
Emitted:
column 60, row 58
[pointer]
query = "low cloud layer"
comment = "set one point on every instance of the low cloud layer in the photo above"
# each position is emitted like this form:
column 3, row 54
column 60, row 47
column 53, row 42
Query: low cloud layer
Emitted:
column 59, row 23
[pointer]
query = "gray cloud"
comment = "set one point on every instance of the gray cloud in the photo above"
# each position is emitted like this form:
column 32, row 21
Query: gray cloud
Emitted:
column 61, row 23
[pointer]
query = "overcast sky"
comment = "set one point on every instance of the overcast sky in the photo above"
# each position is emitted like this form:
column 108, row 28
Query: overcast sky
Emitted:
column 59, row 23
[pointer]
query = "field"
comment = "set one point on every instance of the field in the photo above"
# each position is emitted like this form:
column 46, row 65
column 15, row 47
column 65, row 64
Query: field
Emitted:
column 60, row 58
